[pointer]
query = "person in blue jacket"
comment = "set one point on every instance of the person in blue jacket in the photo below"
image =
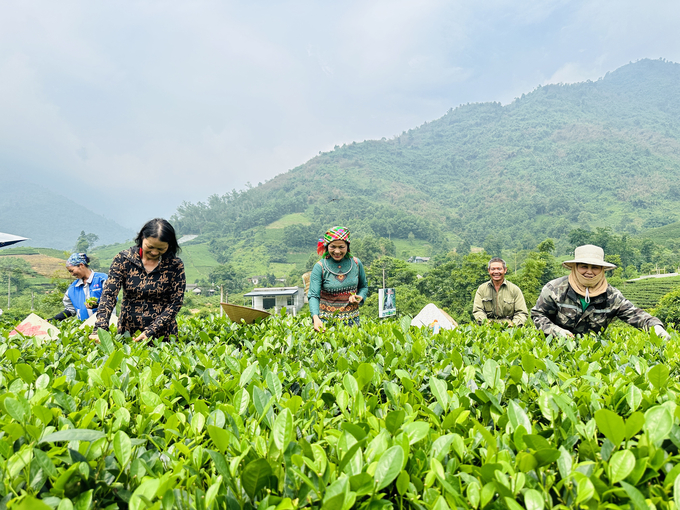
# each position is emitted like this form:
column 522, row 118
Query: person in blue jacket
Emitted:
column 79, row 297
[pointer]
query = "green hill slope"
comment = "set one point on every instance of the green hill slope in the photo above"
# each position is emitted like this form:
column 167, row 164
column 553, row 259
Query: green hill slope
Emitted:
column 663, row 234
column 647, row 293
column 589, row 154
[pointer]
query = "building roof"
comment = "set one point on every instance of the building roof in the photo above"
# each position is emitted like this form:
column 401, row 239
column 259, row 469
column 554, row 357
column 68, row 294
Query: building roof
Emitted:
column 274, row 291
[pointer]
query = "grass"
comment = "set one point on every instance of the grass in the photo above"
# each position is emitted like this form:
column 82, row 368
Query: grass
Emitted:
column 107, row 253
column 415, row 248
column 290, row 219
column 28, row 250
column 662, row 235
column 198, row 262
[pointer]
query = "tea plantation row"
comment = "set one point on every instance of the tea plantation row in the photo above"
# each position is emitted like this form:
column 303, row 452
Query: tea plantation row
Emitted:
column 274, row 416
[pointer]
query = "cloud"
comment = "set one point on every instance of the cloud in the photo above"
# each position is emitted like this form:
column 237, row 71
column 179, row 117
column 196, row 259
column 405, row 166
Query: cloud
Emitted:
column 573, row 72
column 177, row 100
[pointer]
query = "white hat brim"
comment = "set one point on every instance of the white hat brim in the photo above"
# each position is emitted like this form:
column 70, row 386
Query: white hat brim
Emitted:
column 593, row 262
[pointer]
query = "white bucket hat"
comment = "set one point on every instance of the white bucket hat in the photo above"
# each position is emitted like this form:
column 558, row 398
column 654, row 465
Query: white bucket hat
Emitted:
column 589, row 254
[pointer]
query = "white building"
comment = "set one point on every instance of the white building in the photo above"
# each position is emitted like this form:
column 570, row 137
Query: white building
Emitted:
column 275, row 298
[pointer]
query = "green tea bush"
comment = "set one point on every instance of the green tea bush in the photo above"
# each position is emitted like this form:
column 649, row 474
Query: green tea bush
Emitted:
column 273, row 415
column 668, row 309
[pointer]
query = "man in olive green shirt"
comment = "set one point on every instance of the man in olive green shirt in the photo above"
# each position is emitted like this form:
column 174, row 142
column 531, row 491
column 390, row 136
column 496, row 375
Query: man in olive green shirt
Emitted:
column 499, row 300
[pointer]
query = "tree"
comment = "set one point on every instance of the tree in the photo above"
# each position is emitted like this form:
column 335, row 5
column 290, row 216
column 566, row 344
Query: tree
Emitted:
column 547, row 246
column 579, row 237
column 302, row 236
column 225, row 275
column 13, row 272
column 397, row 272
column 668, row 309
column 453, row 283
column 539, row 268
column 647, row 250
column 493, row 245
column 369, row 248
column 85, row 242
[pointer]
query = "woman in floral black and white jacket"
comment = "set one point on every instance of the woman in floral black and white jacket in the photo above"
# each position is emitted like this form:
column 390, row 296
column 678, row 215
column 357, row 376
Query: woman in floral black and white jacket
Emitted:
column 153, row 282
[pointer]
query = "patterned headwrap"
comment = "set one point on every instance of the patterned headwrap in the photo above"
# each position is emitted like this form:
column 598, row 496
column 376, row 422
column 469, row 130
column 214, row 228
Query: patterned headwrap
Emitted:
column 77, row 258
column 334, row 234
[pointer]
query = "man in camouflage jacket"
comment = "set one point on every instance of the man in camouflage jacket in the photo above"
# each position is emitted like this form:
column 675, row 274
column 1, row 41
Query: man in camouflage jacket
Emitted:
column 558, row 311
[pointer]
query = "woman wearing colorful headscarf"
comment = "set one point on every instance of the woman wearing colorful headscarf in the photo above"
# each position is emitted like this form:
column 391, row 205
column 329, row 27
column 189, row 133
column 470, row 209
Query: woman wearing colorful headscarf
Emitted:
column 82, row 297
column 584, row 302
column 338, row 282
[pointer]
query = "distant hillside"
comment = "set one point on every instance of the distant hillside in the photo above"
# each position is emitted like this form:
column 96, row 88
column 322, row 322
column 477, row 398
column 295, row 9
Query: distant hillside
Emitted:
column 51, row 220
column 662, row 234
column 603, row 153
column 647, row 293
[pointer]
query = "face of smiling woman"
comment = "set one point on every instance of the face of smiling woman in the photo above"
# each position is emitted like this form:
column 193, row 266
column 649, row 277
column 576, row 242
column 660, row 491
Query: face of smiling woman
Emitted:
column 153, row 248
column 337, row 250
column 588, row 270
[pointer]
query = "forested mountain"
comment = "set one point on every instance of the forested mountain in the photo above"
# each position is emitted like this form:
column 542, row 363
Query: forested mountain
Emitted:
column 603, row 153
column 51, row 220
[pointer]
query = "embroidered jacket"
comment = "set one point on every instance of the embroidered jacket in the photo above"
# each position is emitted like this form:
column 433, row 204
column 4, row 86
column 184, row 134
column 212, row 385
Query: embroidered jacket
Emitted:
column 331, row 284
column 150, row 300
column 559, row 309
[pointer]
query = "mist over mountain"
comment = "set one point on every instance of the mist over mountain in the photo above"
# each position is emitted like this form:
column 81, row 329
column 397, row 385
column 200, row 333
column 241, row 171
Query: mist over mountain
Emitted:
column 598, row 153
column 51, row 220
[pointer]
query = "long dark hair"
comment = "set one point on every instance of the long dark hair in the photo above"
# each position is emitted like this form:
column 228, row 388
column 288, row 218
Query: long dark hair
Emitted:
column 164, row 232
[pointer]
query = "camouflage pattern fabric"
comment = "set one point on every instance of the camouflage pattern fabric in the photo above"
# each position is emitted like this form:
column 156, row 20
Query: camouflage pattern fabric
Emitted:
column 558, row 310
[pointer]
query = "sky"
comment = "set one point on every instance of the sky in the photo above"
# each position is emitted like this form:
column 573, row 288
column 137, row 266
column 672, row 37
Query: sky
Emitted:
column 131, row 108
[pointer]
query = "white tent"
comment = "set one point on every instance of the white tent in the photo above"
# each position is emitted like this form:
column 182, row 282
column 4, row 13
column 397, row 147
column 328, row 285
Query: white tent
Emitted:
column 7, row 239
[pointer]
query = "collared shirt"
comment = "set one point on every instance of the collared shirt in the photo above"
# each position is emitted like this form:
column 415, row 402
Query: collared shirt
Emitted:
column 86, row 284
column 505, row 305
column 79, row 291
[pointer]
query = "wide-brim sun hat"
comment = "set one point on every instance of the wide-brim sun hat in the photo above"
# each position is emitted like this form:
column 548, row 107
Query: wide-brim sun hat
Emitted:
column 589, row 254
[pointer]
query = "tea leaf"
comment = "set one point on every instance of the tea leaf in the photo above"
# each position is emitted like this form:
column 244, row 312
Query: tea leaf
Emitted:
column 438, row 388
column 389, row 467
column 635, row 496
column 122, row 448
column 256, row 476
column 611, row 425
column 145, row 492
column 74, row 435
column 658, row 376
column 658, row 423
column 283, row 429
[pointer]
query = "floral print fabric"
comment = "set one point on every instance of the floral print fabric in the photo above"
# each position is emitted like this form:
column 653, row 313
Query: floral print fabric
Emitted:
column 151, row 300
